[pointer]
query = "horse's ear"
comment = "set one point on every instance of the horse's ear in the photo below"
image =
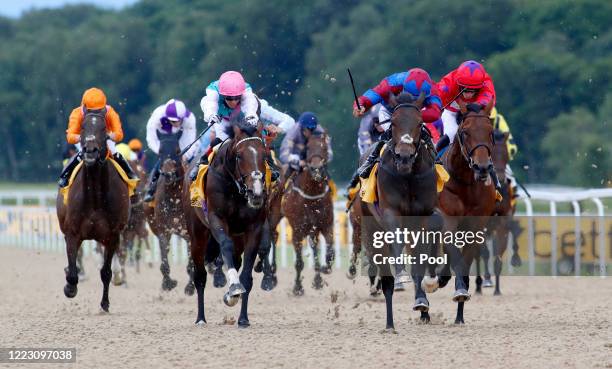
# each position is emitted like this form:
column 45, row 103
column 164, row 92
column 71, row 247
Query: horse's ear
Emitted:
column 392, row 100
column 488, row 108
column 420, row 100
column 462, row 106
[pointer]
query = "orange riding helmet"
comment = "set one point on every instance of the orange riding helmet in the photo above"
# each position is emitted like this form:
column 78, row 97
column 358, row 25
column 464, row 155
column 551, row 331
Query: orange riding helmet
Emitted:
column 135, row 144
column 94, row 99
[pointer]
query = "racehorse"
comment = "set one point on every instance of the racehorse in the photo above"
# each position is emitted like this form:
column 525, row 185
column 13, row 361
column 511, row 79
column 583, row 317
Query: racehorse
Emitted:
column 136, row 229
column 166, row 217
column 501, row 225
column 405, row 188
column 232, row 218
column 97, row 207
column 469, row 193
column 308, row 206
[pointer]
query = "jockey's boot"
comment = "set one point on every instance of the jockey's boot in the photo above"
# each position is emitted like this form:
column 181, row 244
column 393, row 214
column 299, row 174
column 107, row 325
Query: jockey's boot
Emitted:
column 493, row 175
column 67, row 171
column 125, row 165
column 366, row 167
column 273, row 168
column 442, row 143
column 193, row 174
column 152, row 185
column 354, row 181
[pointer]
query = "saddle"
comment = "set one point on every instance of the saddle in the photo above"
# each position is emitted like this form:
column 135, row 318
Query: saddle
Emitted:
column 131, row 183
column 368, row 189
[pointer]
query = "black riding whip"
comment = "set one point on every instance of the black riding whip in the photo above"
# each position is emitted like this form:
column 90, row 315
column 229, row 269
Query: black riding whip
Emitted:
column 354, row 91
column 196, row 140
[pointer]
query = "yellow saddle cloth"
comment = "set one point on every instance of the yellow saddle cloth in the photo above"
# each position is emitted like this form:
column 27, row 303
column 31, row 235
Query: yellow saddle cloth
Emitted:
column 367, row 190
column 196, row 188
column 131, row 183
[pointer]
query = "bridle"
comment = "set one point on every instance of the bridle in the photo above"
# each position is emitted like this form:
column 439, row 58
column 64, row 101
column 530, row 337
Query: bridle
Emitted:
column 468, row 153
column 240, row 179
column 406, row 138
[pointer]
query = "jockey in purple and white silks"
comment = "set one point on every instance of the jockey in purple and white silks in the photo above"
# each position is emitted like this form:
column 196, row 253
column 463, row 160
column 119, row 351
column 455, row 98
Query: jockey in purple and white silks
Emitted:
column 170, row 118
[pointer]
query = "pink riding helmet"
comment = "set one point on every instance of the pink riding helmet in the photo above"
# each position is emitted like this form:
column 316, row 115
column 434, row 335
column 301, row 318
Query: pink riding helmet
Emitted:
column 231, row 83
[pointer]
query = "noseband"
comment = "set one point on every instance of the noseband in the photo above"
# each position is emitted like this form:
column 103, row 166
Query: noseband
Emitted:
column 239, row 181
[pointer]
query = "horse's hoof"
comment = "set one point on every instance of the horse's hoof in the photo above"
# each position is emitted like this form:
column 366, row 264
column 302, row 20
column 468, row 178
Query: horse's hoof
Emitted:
column 298, row 290
column 326, row 269
column 443, row 281
column 426, row 319
column 117, row 281
column 459, row 321
column 189, row 289
column 230, row 300
column 389, row 331
column 352, row 272
column 478, row 291
column 461, row 295
column 70, row 290
column 430, row 285
column 200, row 323
column 258, row 268
column 497, row 293
column 487, row 283
column 421, row 304
column 403, row 277
column 105, row 305
column 236, row 289
column 317, row 284
column 516, row 261
column 399, row 286
column 243, row 323
column 267, row 283
column 168, row 284
column 219, row 280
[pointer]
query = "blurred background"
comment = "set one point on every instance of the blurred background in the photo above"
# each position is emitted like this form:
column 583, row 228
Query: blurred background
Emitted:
column 551, row 62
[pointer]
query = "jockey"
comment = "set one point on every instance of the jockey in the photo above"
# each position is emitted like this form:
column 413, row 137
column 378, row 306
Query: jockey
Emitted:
column 469, row 83
column 414, row 81
column 370, row 129
column 499, row 123
column 170, row 118
column 226, row 99
column 136, row 146
column 68, row 152
column 293, row 147
column 94, row 99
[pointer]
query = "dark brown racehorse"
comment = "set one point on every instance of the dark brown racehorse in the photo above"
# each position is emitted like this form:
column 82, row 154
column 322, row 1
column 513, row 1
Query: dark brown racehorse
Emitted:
column 500, row 225
column 136, row 232
column 98, row 204
column 406, row 190
column 167, row 218
column 309, row 208
column 232, row 220
column 469, row 196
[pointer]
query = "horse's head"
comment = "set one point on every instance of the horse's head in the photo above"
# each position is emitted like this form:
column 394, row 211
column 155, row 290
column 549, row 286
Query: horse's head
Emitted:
column 247, row 158
column 475, row 136
column 500, row 154
column 406, row 123
column 317, row 156
column 169, row 151
column 93, row 136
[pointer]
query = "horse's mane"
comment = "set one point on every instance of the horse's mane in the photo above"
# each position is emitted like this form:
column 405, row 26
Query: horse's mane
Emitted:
column 241, row 123
column 405, row 98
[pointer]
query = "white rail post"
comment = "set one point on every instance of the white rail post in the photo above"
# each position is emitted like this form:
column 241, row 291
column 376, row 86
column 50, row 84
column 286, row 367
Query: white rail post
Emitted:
column 602, row 237
column 578, row 239
column 530, row 236
column 553, row 238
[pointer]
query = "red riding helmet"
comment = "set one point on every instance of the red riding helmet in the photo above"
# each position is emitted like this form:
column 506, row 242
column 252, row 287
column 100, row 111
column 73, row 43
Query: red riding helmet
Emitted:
column 470, row 74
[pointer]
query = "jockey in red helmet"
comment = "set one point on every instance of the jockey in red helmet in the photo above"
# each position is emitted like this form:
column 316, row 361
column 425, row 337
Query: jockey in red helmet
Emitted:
column 469, row 83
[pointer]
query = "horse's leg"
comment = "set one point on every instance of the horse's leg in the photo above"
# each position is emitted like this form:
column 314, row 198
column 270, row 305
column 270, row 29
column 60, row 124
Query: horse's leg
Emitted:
column 461, row 303
column 420, row 298
column 197, row 250
column 217, row 228
column 478, row 277
column 116, row 268
column 515, row 229
column 105, row 272
column 267, row 282
column 148, row 253
column 388, row 287
column 137, row 253
column 485, row 254
column 164, row 243
column 298, row 289
column 73, row 244
column 352, row 272
column 330, row 253
column 189, row 287
column 500, row 243
column 461, row 274
column 246, row 275
column 317, row 283
column 80, row 265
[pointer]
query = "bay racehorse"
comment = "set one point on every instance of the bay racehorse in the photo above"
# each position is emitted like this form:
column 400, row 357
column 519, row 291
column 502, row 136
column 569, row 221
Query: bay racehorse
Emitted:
column 232, row 218
column 166, row 216
column 308, row 206
column 502, row 223
column 406, row 193
column 469, row 198
column 97, row 207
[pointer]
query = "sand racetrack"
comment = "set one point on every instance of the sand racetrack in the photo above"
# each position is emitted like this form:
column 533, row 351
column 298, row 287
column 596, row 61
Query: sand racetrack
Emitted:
column 538, row 322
